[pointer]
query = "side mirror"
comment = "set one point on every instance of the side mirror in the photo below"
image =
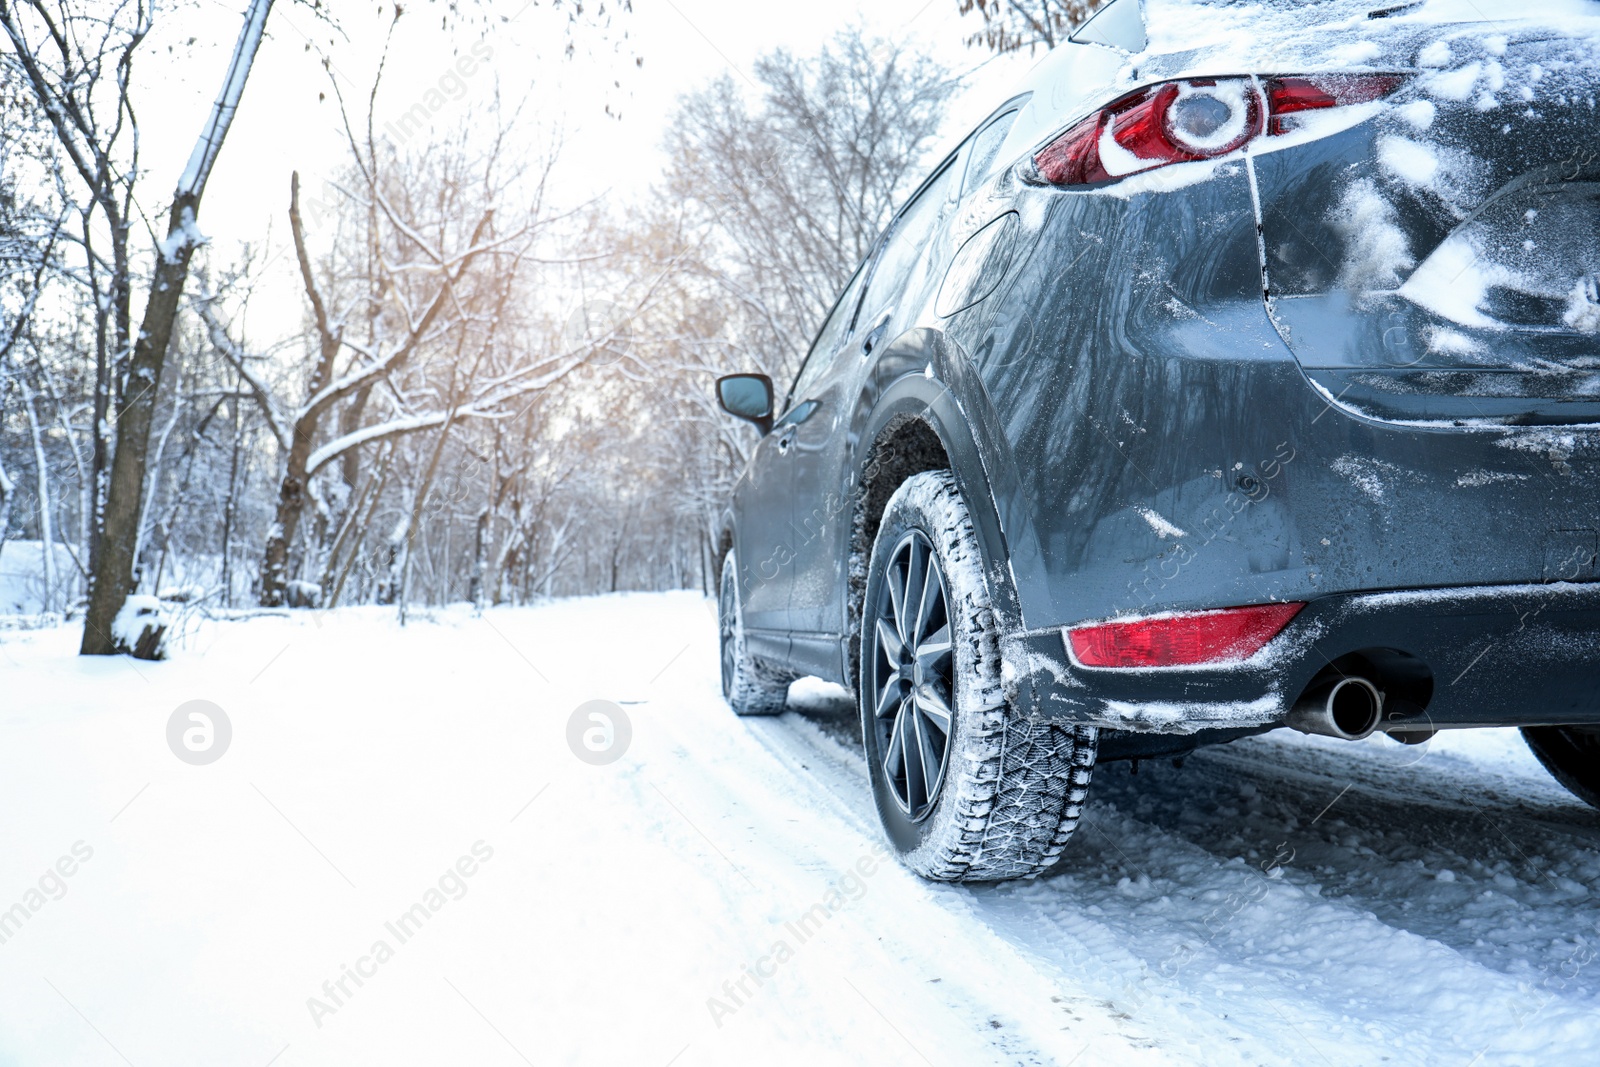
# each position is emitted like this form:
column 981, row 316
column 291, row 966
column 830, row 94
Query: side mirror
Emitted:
column 747, row 397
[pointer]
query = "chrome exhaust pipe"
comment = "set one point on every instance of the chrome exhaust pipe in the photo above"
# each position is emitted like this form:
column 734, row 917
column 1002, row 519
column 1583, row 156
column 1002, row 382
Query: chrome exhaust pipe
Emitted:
column 1349, row 708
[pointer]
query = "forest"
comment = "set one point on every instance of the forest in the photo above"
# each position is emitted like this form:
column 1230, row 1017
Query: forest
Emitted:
column 492, row 392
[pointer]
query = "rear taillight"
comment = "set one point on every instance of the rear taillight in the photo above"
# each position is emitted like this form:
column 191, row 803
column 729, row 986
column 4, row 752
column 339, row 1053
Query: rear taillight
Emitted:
column 1190, row 639
column 1291, row 96
column 1202, row 118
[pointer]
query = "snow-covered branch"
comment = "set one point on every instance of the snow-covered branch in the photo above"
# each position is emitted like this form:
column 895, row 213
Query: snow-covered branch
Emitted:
column 204, row 156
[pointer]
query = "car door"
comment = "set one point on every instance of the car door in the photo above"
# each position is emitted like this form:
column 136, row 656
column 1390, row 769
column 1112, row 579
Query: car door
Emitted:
column 778, row 546
column 823, row 493
column 761, row 502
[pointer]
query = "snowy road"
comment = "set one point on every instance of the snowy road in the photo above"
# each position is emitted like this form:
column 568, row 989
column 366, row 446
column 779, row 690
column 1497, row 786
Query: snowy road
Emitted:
column 400, row 859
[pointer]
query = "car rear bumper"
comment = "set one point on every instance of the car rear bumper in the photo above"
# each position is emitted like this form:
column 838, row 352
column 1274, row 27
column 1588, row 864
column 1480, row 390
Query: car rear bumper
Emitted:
column 1507, row 655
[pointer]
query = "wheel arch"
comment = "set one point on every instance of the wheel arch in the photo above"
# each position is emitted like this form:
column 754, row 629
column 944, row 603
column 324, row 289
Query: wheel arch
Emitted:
column 918, row 421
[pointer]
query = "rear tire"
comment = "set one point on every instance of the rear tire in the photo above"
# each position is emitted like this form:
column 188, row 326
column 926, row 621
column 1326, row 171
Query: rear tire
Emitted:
column 967, row 789
column 749, row 687
column 1572, row 756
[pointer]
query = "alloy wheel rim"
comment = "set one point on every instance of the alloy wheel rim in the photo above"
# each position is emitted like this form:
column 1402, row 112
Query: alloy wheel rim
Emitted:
column 912, row 693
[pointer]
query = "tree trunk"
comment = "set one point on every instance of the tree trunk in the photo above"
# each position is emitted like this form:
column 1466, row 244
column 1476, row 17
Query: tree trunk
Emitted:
column 354, row 506
column 382, row 477
column 7, row 491
column 402, row 567
column 350, row 422
column 85, row 486
column 153, row 482
column 95, row 492
column 94, row 497
column 292, row 491
column 476, row 591
column 47, row 541
column 230, row 507
column 114, row 578
column 291, row 502
column 113, row 571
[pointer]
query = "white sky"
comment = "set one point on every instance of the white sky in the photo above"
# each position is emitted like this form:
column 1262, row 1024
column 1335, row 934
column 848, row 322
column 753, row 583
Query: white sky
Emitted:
column 282, row 125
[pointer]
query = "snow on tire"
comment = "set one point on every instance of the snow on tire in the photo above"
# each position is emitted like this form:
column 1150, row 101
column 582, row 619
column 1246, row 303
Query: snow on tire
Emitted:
column 1009, row 791
column 750, row 687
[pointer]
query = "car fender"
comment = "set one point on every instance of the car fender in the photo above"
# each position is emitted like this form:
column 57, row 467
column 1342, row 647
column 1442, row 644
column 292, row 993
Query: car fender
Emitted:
column 925, row 375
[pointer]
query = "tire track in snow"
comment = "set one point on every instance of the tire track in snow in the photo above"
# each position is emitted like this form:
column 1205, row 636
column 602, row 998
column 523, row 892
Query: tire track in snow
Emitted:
column 1162, row 900
column 1495, row 878
column 1092, row 967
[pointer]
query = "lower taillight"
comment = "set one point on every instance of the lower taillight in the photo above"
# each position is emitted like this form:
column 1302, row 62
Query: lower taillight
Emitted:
column 1190, row 639
column 1196, row 119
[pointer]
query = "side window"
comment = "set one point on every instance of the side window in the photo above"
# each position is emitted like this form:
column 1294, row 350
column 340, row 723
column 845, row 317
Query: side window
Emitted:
column 910, row 241
column 833, row 331
column 981, row 156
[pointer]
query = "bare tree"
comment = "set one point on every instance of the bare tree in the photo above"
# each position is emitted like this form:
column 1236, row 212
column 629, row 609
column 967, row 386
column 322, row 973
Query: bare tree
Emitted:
column 442, row 249
column 30, row 227
column 1011, row 25
column 77, row 62
column 113, row 578
column 785, row 199
column 768, row 206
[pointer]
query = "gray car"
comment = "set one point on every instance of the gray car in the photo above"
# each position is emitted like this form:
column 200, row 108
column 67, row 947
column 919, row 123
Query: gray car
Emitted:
column 1241, row 371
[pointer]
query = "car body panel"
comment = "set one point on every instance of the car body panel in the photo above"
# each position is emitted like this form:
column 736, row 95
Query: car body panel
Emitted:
column 761, row 498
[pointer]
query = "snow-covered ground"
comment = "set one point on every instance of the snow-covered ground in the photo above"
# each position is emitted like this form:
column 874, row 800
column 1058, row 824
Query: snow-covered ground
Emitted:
column 1282, row 900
